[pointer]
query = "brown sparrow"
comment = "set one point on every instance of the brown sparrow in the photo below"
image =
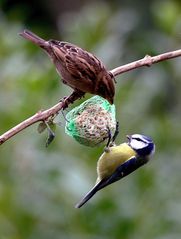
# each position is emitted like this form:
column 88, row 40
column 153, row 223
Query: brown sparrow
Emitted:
column 79, row 69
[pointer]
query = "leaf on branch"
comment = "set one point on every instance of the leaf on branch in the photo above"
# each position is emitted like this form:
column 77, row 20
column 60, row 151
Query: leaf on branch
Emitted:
column 41, row 127
column 50, row 126
column 51, row 135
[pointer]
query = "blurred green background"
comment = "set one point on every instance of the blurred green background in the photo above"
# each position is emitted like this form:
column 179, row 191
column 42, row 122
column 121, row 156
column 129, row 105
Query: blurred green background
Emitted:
column 39, row 186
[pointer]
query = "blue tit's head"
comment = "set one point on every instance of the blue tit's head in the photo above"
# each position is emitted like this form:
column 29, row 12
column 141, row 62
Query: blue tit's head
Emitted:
column 143, row 145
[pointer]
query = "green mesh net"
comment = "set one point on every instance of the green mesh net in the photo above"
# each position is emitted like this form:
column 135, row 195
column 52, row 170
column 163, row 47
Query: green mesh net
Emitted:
column 89, row 122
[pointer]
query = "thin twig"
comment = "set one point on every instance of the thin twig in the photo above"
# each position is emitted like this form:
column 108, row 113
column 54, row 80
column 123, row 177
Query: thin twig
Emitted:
column 39, row 116
column 146, row 61
column 43, row 115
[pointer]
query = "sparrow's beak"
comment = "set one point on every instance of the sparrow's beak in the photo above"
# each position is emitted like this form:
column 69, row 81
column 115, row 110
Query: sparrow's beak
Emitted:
column 111, row 101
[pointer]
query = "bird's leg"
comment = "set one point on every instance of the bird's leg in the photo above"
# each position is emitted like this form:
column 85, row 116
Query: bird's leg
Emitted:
column 115, row 133
column 106, row 149
column 111, row 139
column 76, row 94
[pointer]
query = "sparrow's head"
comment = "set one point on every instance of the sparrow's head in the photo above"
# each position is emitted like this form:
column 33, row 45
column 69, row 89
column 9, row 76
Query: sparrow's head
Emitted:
column 106, row 87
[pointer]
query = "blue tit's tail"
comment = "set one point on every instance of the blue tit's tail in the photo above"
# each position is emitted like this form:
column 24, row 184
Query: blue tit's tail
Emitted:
column 34, row 38
column 90, row 194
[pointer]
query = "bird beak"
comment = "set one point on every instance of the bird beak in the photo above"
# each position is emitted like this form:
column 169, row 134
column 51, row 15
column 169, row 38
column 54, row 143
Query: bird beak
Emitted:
column 128, row 137
column 111, row 101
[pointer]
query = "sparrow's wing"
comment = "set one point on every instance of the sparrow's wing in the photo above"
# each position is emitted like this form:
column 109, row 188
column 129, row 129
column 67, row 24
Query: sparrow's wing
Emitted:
column 78, row 62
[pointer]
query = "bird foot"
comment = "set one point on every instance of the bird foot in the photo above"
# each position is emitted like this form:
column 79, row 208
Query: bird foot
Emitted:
column 67, row 100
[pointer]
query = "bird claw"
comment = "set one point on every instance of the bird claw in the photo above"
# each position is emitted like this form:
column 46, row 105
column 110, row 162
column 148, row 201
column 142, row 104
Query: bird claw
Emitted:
column 65, row 102
column 107, row 149
column 111, row 139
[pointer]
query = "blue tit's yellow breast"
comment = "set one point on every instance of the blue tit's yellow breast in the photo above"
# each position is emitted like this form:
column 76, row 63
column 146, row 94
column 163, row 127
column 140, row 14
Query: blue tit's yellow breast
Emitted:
column 109, row 161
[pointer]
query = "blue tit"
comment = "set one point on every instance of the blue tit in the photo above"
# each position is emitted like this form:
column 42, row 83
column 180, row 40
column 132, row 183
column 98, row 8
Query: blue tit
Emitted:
column 117, row 161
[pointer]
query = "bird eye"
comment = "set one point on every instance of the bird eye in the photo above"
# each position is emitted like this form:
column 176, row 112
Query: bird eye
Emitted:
column 138, row 139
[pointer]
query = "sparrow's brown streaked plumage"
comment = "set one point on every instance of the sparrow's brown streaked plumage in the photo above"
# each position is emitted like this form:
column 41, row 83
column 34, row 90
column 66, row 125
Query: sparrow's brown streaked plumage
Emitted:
column 79, row 69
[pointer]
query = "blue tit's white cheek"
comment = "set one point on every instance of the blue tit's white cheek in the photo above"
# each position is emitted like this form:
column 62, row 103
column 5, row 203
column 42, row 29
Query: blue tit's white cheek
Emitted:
column 135, row 144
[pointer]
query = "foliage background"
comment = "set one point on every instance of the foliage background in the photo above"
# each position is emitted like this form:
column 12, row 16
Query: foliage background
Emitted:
column 39, row 186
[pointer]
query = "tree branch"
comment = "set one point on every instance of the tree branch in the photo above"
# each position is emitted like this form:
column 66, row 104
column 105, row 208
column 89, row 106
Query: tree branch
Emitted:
column 44, row 115
column 146, row 61
column 40, row 116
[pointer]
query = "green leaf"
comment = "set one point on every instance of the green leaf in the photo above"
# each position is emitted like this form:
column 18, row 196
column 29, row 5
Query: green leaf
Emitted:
column 41, row 127
column 51, row 134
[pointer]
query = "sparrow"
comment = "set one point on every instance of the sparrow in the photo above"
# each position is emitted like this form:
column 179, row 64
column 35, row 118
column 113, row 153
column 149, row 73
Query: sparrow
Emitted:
column 79, row 69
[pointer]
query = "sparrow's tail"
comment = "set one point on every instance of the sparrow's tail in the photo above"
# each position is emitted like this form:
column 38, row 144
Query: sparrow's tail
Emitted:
column 90, row 194
column 34, row 38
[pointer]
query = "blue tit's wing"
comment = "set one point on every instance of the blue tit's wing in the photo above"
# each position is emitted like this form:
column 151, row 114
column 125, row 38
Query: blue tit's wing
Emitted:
column 125, row 169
